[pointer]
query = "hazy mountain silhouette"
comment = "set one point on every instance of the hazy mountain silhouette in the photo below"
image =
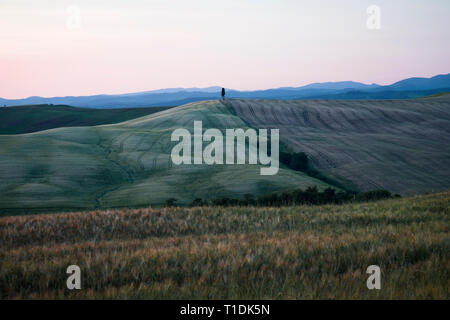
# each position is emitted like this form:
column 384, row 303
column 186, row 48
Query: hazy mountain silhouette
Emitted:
column 407, row 88
column 436, row 82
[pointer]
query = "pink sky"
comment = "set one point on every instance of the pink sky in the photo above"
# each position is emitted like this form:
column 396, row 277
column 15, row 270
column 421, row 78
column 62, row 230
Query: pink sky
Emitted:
column 131, row 46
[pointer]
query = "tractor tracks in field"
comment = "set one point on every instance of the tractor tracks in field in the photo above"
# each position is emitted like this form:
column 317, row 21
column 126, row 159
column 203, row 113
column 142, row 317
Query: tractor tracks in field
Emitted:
column 107, row 154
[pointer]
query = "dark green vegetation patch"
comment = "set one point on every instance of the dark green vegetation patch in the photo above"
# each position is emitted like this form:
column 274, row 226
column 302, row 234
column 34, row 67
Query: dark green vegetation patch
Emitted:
column 25, row 119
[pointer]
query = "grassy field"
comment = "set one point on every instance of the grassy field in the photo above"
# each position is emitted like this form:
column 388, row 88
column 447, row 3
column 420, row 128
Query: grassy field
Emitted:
column 26, row 119
column 233, row 253
column 398, row 145
column 126, row 164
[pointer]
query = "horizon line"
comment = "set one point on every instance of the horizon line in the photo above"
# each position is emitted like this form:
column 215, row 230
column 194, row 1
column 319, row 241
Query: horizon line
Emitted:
column 213, row 86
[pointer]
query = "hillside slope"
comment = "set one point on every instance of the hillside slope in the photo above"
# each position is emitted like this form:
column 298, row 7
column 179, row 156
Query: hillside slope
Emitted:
column 399, row 145
column 126, row 164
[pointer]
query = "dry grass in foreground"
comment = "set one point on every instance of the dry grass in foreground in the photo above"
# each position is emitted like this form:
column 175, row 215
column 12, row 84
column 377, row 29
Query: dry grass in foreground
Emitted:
column 232, row 253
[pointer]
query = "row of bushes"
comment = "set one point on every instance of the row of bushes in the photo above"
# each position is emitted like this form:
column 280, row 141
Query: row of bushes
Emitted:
column 309, row 196
column 297, row 161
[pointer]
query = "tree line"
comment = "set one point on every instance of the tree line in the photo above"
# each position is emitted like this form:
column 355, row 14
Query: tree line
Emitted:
column 297, row 161
column 309, row 196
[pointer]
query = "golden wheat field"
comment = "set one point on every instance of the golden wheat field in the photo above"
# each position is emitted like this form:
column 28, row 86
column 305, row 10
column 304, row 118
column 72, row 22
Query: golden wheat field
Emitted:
column 302, row 252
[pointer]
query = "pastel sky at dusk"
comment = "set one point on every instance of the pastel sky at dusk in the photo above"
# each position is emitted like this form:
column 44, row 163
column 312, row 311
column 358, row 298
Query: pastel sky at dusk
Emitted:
column 133, row 45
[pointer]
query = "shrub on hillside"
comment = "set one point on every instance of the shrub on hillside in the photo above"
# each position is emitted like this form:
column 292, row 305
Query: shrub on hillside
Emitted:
column 295, row 161
column 373, row 195
column 198, row 202
column 172, row 202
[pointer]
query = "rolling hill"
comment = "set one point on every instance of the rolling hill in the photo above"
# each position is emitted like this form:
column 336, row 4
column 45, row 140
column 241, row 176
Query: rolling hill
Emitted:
column 416, row 83
column 126, row 164
column 398, row 145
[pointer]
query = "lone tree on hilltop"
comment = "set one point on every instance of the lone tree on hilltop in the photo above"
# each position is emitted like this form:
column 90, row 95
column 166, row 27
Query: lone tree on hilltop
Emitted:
column 223, row 93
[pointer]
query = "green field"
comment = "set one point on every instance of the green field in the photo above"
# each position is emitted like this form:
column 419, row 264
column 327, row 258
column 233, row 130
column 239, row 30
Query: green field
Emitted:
column 303, row 252
column 26, row 119
column 398, row 145
column 126, row 164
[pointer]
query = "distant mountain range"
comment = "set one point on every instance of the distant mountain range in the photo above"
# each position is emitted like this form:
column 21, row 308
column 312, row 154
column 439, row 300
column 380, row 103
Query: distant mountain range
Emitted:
column 407, row 88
